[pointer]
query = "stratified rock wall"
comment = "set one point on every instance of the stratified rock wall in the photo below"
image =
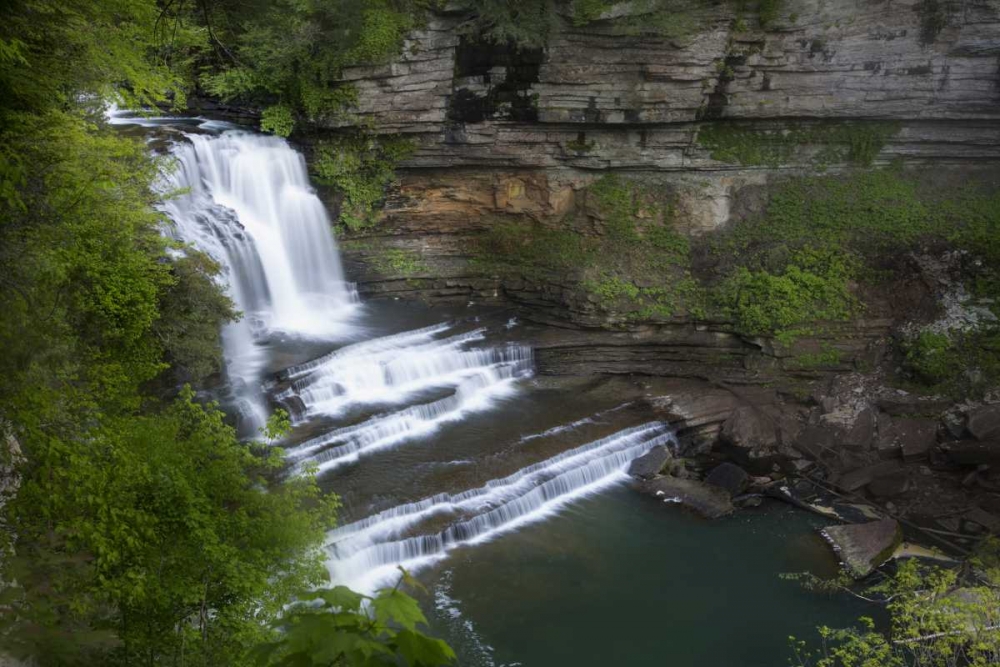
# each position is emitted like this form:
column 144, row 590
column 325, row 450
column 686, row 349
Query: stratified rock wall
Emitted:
column 506, row 133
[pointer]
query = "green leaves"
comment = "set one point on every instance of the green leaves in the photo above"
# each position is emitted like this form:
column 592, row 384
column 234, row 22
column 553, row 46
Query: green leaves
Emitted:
column 393, row 606
column 352, row 629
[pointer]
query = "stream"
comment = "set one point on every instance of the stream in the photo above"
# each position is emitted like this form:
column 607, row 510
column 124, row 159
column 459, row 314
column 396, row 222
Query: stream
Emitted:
column 502, row 491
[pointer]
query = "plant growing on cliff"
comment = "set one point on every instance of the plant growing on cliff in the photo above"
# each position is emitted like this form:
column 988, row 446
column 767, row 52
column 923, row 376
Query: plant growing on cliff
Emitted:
column 360, row 167
column 936, row 618
column 858, row 143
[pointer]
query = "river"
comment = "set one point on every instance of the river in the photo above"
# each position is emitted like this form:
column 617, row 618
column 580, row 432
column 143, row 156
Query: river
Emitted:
column 503, row 491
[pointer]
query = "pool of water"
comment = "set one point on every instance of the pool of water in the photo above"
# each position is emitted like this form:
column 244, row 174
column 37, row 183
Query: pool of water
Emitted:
column 619, row 579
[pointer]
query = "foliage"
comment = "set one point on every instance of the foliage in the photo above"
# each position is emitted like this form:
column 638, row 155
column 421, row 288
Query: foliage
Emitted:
column 934, row 15
column 184, row 544
column 960, row 363
column 277, row 119
column 767, row 11
column 192, row 310
column 664, row 18
column 340, row 627
column 359, row 166
column 288, row 54
column 143, row 531
column 935, row 619
column 639, row 247
column 54, row 51
column 525, row 23
column 398, row 261
column 859, row 143
column 813, row 286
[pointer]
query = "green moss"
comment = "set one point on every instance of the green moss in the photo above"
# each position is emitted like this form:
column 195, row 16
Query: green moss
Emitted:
column 956, row 363
column 828, row 356
column 767, row 11
column 933, row 19
column 398, row 261
column 612, row 289
column 360, row 167
column 858, row 143
column 580, row 146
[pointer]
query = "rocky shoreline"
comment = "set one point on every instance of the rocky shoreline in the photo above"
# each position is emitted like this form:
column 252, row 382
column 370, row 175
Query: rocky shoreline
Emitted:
column 886, row 464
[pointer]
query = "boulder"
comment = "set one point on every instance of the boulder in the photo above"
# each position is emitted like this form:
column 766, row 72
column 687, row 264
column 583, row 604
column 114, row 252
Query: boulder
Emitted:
column 864, row 547
column 915, row 437
column 649, row 464
column 990, row 522
column 862, row 433
column 855, row 479
column 889, row 485
column 973, row 452
column 984, row 422
column 751, row 436
column 710, row 501
column 819, row 443
column 886, row 443
column 730, row 477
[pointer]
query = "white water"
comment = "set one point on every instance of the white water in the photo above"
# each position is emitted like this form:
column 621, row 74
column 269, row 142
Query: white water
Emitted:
column 365, row 554
column 394, row 369
column 245, row 199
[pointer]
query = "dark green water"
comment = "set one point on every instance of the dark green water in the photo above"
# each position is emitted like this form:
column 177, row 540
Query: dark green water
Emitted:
column 619, row 579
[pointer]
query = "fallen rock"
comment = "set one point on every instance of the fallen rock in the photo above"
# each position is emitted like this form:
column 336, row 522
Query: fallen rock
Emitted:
column 855, row 479
column 889, row 485
column 916, row 437
column 973, row 452
column 819, row 443
column 730, row 477
column 752, row 437
column 886, row 443
column 649, row 464
column 864, row 547
column 984, row 422
column 862, row 433
column 990, row 522
column 710, row 501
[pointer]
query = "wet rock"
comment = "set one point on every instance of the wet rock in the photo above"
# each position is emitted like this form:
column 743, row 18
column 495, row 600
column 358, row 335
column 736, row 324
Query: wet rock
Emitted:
column 886, row 443
column 915, row 437
column 855, row 479
column 649, row 464
column 864, row 547
column 973, row 452
column 907, row 404
column 819, row 443
column 710, row 501
column 987, row 520
column 751, row 436
column 890, row 485
column 862, row 434
column 730, row 477
column 984, row 422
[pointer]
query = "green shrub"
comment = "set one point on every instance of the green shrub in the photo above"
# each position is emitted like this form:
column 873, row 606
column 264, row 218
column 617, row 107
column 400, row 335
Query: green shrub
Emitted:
column 360, row 167
column 813, row 287
column 277, row 119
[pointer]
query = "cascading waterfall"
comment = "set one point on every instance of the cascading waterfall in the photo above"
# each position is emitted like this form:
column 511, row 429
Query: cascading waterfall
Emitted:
column 245, row 199
column 365, row 554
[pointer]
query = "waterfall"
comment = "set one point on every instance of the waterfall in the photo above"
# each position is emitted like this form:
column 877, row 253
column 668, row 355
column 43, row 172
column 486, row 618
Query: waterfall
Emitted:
column 364, row 554
column 245, row 199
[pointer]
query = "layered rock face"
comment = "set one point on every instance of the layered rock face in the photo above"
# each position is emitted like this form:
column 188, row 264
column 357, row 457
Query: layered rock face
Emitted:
column 509, row 134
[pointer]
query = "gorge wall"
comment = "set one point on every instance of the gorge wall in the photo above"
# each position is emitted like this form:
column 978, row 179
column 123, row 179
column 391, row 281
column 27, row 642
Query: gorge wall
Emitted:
column 505, row 134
